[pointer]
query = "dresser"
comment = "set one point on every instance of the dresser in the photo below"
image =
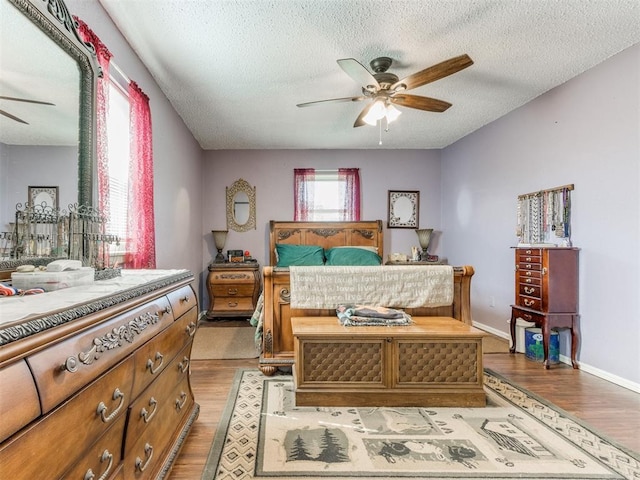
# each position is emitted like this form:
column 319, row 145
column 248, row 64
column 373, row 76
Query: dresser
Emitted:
column 100, row 390
column 546, row 293
column 233, row 289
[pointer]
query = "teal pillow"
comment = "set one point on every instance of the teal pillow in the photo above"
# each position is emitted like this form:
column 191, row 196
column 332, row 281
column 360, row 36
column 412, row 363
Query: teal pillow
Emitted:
column 351, row 256
column 299, row 255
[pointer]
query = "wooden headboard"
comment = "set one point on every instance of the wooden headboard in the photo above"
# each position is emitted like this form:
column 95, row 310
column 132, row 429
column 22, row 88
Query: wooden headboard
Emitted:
column 325, row 235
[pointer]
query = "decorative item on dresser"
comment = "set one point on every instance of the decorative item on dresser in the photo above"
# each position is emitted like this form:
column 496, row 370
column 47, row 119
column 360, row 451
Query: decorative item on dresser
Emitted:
column 233, row 289
column 219, row 239
column 546, row 293
column 101, row 389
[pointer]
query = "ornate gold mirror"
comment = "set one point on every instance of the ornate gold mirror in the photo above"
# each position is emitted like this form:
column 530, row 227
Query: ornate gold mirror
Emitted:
column 241, row 206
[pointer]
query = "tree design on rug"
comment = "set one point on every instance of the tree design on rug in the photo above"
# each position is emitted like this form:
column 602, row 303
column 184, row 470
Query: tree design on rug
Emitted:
column 317, row 445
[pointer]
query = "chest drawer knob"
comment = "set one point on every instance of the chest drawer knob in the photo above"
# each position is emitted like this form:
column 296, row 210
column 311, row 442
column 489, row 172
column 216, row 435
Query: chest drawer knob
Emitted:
column 106, row 456
column 151, row 365
column 148, row 453
column 183, row 366
column 102, row 408
column 70, row 365
column 144, row 413
column 191, row 329
column 165, row 311
column 529, row 290
column 181, row 401
column 185, row 299
column 232, row 291
column 528, row 303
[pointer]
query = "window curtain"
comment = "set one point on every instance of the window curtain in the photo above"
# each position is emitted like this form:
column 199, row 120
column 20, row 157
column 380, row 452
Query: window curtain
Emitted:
column 303, row 179
column 102, row 109
column 141, row 221
column 350, row 195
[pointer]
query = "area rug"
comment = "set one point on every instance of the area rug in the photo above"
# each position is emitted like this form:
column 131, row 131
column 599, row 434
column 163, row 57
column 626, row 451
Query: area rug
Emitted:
column 518, row 435
column 224, row 342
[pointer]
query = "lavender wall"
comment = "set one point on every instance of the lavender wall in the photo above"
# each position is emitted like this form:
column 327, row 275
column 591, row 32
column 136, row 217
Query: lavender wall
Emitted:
column 271, row 172
column 585, row 132
column 177, row 156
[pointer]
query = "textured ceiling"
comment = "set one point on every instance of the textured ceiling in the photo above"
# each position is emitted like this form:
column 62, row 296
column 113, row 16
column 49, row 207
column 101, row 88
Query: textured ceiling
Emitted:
column 235, row 69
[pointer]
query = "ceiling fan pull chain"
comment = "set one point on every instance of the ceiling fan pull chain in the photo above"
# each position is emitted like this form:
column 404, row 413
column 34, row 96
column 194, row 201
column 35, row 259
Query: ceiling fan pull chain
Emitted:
column 380, row 132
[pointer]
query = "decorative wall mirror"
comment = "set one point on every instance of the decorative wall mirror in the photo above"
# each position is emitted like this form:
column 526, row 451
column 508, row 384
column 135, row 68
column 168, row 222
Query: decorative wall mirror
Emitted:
column 241, row 206
column 403, row 209
column 44, row 57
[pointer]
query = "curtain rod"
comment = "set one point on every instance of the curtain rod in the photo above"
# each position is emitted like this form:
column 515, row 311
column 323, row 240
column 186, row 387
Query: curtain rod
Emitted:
column 540, row 192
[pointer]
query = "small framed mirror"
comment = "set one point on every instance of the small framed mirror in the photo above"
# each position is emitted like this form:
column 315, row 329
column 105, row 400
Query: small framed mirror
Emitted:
column 241, row 206
column 403, row 209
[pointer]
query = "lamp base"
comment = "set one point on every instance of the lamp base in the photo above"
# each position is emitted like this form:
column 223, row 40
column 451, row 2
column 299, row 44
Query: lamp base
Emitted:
column 425, row 257
column 219, row 257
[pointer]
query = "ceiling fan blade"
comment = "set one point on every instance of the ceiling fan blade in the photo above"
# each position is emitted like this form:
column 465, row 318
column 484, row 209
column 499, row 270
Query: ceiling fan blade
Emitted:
column 360, row 120
column 435, row 72
column 359, row 73
column 421, row 103
column 12, row 117
column 331, row 100
column 25, row 100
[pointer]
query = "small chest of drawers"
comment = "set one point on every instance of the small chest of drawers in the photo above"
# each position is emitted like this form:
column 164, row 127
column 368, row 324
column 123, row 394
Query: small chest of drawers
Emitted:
column 546, row 293
column 233, row 288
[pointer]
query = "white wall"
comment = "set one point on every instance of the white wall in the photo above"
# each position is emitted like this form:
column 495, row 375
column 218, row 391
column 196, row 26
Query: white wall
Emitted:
column 271, row 172
column 177, row 156
column 585, row 132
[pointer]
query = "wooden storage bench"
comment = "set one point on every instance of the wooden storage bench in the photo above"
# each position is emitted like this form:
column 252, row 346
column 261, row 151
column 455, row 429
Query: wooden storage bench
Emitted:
column 435, row 362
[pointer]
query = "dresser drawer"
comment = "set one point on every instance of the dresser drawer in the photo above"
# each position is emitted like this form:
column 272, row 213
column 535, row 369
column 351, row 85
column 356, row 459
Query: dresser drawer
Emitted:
column 144, row 457
column 229, row 290
column 529, row 252
column 153, row 358
column 231, row 304
column 529, row 266
column 182, row 300
column 233, row 277
column 524, row 274
column 19, row 403
column 144, row 411
column 529, row 302
column 72, row 427
column 103, row 459
column 530, row 290
column 534, row 279
column 69, row 365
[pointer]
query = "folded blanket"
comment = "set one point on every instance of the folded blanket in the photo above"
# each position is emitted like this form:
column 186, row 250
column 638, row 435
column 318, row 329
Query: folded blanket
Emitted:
column 351, row 315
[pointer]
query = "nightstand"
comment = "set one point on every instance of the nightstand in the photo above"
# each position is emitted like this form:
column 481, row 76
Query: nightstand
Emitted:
column 233, row 288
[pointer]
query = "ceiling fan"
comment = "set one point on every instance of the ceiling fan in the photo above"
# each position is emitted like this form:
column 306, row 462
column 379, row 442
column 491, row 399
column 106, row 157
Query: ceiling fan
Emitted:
column 13, row 117
column 386, row 90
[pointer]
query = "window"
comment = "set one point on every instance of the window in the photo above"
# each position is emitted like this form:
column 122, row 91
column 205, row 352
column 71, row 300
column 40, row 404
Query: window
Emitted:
column 327, row 195
column 118, row 166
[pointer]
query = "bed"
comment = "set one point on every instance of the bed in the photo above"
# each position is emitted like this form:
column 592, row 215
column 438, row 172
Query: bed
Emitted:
column 274, row 327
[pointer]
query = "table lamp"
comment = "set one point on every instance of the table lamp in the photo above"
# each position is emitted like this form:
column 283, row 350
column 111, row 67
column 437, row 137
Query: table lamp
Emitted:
column 424, row 237
column 219, row 239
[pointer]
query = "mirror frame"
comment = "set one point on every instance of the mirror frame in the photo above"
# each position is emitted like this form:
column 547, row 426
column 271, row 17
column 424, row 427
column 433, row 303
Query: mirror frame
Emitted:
column 57, row 23
column 414, row 198
column 238, row 186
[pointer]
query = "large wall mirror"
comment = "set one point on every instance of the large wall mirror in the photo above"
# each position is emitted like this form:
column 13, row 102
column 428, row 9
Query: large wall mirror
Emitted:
column 241, row 206
column 43, row 60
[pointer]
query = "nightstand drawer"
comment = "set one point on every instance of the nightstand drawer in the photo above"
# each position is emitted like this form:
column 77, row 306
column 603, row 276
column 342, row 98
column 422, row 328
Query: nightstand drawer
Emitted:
column 233, row 290
column 529, row 302
column 233, row 277
column 229, row 304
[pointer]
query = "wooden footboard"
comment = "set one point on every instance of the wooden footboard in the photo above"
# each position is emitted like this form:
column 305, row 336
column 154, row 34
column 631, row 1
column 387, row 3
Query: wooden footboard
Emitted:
column 277, row 337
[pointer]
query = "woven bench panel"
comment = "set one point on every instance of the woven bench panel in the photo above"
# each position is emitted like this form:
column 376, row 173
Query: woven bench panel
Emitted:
column 342, row 362
column 438, row 362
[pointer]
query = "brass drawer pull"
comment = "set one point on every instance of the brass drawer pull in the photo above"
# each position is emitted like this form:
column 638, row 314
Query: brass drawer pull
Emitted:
column 528, row 280
column 181, row 401
column 183, row 366
column 528, row 274
column 528, row 259
column 150, row 363
column 165, row 311
column 232, row 304
column 233, row 291
column 148, row 452
column 70, row 365
column 146, row 416
column 191, row 329
column 106, row 455
column 528, row 252
column 185, row 299
column 528, row 303
column 102, row 408
column 529, row 290
column 528, row 316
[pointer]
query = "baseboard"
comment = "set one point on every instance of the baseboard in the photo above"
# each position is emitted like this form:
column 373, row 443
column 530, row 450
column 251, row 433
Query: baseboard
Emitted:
column 622, row 382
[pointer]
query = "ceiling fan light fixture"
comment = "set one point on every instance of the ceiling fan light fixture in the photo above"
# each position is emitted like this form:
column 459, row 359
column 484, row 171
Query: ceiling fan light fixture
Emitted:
column 392, row 113
column 376, row 112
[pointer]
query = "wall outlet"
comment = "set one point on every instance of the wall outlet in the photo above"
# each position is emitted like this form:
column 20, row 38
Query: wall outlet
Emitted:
column 492, row 301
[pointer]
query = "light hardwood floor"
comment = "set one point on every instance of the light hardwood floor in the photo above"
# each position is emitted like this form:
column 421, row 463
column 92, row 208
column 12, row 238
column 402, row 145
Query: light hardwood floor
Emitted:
column 611, row 410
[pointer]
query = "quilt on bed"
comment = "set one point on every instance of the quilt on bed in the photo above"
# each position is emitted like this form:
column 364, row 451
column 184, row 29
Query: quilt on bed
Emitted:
column 394, row 286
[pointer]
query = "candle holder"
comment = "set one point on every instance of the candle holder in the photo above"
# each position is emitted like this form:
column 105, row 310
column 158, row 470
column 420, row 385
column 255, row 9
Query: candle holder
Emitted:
column 219, row 239
column 424, row 237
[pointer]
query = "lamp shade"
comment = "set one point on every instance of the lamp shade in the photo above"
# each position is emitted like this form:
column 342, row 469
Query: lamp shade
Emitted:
column 424, row 237
column 219, row 238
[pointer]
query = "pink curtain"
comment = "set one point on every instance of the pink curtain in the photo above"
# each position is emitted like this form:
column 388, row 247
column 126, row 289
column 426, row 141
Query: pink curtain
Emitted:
column 303, row 193
column 102, row 106
column 351, row 194
column 141, row 221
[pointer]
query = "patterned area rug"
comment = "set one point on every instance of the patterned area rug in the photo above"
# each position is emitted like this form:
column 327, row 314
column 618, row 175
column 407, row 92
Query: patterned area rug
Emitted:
column 518, row 435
